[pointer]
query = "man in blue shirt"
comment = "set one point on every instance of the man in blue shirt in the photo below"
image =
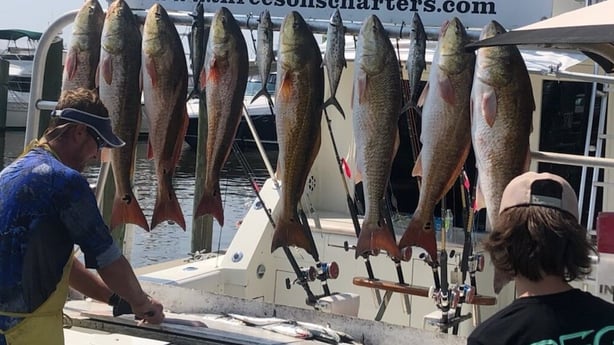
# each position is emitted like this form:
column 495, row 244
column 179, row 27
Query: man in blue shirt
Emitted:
column 46, row 207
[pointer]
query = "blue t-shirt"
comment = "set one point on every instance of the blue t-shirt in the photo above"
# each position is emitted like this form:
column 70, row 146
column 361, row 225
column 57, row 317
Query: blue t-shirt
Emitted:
column 45, row 209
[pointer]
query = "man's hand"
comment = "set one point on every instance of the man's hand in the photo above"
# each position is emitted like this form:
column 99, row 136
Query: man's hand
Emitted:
column 150, row 311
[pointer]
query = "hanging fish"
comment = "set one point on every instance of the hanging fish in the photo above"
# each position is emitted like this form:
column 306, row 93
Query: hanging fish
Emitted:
column 445, row 135
column 120, row 91
column 165, row 83
column 83, row 53
column 225, row 75
column 198, row 44
column 264, row 54
column 502, row 107
column 416, row 59
column 298, row 115
column 376, row 108
column 334, row 57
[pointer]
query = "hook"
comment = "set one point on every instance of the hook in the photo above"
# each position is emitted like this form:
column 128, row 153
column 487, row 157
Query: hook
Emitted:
column 401, row 30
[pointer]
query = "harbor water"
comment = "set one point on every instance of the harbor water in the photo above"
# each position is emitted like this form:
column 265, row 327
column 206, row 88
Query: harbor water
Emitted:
column 169, row 241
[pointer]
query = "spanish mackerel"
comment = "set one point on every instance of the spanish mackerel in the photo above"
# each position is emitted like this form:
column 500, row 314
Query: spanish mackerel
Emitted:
column 264, row 54
column 120, row 91
column 334, row 57
column 165, row 82
column 299, row 97
column 198, row 41
column 225, row 75
column 445, row 134
column 416, row 59
column 502, row 106
column 376, row 110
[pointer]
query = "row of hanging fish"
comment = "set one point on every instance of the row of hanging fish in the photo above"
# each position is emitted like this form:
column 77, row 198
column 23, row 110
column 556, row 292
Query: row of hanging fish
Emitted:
column 110, row 53
column 491, row 109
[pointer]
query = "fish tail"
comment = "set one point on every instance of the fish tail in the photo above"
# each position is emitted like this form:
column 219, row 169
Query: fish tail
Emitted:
column 289, row 232
column 263, row 92
column 374, row 237
column 211, row 203
column 420, row 234
column 194, row 93
column 126, row 210
column 334, row 102
column 167, row 209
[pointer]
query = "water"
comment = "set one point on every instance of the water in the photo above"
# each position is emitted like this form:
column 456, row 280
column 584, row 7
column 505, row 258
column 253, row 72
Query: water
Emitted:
column 169, row 241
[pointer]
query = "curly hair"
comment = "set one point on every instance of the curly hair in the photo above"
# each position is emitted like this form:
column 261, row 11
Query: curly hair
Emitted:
column 82, row 99
column 534, row 241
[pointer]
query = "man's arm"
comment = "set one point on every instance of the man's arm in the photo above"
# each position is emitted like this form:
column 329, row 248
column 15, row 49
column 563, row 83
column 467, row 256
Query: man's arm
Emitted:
column 120, row 277
column 89, row 284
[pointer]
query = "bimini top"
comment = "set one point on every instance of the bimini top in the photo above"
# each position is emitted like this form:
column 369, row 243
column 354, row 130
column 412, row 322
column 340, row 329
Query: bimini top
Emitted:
column 13, row 34
column 588, row 29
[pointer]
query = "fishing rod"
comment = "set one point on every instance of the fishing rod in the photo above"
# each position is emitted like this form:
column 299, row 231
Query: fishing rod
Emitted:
column 303, row 277
column 397, row 262
column 351, row 204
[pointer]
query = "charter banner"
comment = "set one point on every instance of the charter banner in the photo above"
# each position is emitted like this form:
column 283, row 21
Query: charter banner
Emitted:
column 474, row 14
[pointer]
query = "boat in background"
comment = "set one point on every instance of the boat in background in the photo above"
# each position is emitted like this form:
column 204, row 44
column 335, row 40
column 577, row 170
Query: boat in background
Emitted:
column 19, row 52
column 261, row 114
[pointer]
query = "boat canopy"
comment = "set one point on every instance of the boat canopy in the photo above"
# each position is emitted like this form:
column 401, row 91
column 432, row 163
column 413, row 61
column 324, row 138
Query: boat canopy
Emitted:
column 589, row 30
column 14, row 34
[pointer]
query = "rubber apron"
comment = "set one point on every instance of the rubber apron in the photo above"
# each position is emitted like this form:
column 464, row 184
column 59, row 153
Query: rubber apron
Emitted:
column 44, row 325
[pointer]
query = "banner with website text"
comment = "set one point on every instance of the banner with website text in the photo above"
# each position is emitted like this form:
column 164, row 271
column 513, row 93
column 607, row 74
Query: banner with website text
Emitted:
column 474, row 14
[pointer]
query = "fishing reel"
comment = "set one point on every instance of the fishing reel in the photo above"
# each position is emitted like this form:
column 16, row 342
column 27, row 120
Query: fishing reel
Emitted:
column 308, row 274
column 327, row 270
column 475, row 263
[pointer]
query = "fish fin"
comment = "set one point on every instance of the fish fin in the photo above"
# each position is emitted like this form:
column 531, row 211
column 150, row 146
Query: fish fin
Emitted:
column 420, row 234
column 417, row 171
column 167, row 208
column 211, row 203
column 374, row 237
column 362, row 87
column 193, row 94
column 334, row 102
column 107, row 70
column 150, row 66
column 480, row 202
column 500, row 279
column 285, row 88
column 489, row 107
column 423, row 94
column 446, row 89
column 290, row 232
column 214, row 73
column 126, row 210
column 263, row 92
column 71, row 64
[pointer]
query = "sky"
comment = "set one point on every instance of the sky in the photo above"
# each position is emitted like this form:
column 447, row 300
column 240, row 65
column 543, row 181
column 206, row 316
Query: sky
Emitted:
column 36, row 15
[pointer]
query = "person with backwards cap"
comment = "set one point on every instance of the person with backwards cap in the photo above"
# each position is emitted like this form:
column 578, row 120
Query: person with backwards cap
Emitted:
column 538, row 240
column 46, row 207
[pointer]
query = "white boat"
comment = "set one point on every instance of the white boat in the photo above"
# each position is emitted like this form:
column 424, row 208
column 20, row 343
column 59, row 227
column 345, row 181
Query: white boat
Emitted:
column 19, row 52
column 261, row 115
column 247, row 278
